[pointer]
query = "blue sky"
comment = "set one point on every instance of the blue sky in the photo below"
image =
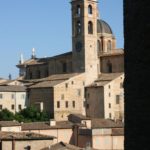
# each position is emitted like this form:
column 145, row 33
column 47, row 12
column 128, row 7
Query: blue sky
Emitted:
column 46, row 26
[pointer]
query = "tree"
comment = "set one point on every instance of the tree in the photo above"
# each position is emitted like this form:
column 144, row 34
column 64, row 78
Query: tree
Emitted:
column 6, row 115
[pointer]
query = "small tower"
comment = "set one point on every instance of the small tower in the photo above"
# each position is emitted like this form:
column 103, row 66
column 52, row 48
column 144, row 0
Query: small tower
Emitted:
column 84, row 37
column 33, row 53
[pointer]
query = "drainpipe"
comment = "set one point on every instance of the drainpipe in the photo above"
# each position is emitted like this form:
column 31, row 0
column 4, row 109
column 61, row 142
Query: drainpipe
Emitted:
column 13, row 143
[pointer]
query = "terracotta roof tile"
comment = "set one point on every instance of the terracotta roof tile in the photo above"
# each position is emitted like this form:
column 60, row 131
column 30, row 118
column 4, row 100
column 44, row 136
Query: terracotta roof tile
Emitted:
column 23, row 136
column 9, row 123
column 12, row 88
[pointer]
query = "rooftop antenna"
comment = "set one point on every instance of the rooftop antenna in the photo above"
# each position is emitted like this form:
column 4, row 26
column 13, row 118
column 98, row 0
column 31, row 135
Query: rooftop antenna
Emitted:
column 21, row 59
column 9, row 77
column 33, row 53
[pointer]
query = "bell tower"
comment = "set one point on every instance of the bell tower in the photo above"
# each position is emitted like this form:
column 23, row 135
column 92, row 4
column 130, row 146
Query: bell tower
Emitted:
column 84, row 37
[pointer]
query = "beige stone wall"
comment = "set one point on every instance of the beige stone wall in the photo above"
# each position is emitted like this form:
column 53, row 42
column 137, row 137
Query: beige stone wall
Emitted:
column 64, row 135
column 70, row 91
column 111, row 90
column 101, row 101
column 116, row 61
column 19, row 98
column 44, row 96
column 108, row 142
column 20, row 145
column 11, row 129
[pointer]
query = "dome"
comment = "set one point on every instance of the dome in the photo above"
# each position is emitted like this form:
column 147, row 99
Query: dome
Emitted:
column 103, row 27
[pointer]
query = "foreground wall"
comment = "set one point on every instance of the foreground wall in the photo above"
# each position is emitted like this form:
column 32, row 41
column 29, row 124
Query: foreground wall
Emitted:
column 137, row 73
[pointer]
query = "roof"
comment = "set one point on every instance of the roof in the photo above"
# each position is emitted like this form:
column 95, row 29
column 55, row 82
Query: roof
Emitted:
column 12, row 88
column 103, row 27
column 106, row 123
column 63, row 146
column 9, row 123
column 24, row 136
column 77, row 118
column 42, row 61
column 108, row 76
column 105, row 78
column 52, row 80
column 117, row 131
column 46, row 84
column 46, row 125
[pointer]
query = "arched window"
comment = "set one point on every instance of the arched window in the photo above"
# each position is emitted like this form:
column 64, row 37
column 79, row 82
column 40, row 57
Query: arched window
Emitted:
column 78, row 27
column 90, row 27
column 108, row 45
column 99, row 46
column 78, row 10
column 90, row 10
column 109, row 66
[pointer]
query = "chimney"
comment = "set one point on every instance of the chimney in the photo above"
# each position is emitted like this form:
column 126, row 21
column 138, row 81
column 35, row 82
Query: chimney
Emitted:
column 52, row 122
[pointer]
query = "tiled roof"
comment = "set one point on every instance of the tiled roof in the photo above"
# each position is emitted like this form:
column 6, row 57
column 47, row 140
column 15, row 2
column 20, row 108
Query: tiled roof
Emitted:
column 9, row 123
column 108, row 76
column 105, row 78
column 117, row 131
column 46, row 84
column 106, row 123
column 41, row 61
column 46, row 125
column 23, row 136
column 63, row 146
column 52, row 80
column 12, row 88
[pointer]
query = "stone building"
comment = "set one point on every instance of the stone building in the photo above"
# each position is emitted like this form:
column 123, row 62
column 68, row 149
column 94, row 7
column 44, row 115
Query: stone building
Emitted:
column 105, row 97
column 27, row 141
column 13, row 98
column 93, row 52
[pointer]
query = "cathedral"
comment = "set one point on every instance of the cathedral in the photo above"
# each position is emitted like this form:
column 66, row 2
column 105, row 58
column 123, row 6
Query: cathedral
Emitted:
column 72, row 82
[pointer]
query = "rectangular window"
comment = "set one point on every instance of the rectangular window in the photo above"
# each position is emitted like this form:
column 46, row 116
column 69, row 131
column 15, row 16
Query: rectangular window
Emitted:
column 87, row 106
column 109, row 94
column 12, row 96
column 1, row 107
column 110, row 115
column 19, row 107
column 12, row 107
column 64, row 67
column 58, row 104
column 23, row 96
column 121, row 85
column 72, row 82
column 62, row 96
column 66, row 104
column 1, row 96
column 117, row 99
column 66, row 85
column 73, row 104
column 109, row 105
column 79, row 92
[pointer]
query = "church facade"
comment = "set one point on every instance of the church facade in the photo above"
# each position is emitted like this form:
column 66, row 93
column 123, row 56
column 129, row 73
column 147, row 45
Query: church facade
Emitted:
column 57, row 84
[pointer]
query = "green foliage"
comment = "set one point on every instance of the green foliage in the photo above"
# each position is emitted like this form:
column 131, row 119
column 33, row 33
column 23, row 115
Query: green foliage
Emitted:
column 6, row 115
column 29, row 114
